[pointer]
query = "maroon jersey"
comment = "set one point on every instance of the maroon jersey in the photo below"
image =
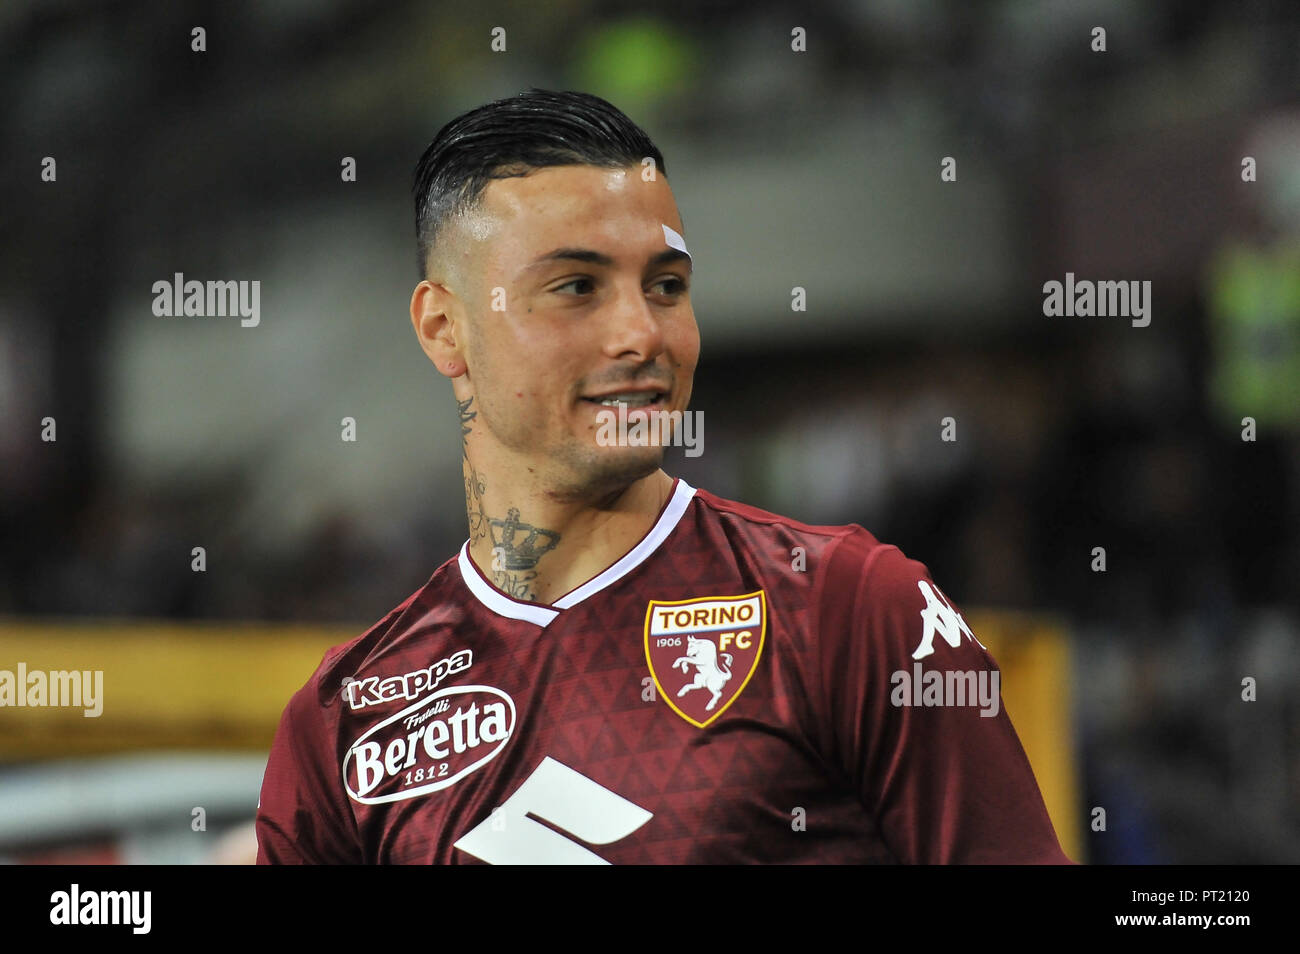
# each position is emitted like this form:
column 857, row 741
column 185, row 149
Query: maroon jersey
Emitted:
column 738, row 688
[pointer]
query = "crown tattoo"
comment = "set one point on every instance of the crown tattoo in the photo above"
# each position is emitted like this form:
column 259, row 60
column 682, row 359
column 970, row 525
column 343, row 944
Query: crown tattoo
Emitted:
column 516, row 554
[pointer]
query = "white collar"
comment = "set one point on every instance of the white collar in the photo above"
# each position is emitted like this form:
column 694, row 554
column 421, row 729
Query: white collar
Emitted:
column 542, row 615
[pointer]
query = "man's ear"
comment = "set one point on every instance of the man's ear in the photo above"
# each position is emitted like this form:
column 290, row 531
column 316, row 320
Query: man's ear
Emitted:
column 436, row 317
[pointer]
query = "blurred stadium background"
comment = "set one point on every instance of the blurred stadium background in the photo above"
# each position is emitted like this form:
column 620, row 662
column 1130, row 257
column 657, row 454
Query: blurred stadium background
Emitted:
column 818, row 170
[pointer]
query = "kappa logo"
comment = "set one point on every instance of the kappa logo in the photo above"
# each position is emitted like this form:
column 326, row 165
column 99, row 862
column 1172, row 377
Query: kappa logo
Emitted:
column 373, row 691
column 940, row 619
column 714, row 642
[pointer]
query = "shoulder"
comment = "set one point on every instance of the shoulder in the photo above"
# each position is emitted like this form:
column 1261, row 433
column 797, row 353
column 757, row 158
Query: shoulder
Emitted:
column 874, row 571
column 846, row 575
column 847, row 553
column 340, row 663
column 748, row 523
column 875, row 591
column 735, row 511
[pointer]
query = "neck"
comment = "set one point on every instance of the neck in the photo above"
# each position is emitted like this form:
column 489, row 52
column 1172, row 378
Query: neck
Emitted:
column 535, row 546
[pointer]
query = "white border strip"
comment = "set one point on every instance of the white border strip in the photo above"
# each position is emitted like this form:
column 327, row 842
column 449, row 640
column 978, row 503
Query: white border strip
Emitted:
column 638, row 554
column 497, row 601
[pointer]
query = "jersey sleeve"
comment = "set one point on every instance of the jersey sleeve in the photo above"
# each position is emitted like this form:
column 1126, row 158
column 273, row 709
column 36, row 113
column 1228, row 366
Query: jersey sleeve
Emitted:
column 948, row 783
column 302, row 817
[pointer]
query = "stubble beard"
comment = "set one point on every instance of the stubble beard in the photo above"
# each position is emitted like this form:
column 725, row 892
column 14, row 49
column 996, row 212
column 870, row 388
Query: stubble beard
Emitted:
column 601, row 474
column 570, row 470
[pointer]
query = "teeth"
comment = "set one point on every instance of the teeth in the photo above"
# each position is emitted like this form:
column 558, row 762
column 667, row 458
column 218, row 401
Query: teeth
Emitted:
column 631, row 400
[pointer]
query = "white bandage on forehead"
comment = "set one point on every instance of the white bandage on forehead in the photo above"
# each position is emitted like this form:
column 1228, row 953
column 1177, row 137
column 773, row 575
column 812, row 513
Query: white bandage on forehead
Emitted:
column 674, row 240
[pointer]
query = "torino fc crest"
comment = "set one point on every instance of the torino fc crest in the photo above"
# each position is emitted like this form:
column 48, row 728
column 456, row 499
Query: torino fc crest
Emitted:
column 703, row 652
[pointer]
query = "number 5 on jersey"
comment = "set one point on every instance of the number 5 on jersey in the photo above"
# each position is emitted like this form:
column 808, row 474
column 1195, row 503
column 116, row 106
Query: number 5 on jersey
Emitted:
column 565, row 798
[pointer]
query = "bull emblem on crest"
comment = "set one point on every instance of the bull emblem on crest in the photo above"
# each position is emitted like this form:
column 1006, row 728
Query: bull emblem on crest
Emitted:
column 703, row 655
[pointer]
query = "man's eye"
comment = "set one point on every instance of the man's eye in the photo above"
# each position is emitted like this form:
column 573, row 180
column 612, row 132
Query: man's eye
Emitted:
column 586, row 282
column 675, row 285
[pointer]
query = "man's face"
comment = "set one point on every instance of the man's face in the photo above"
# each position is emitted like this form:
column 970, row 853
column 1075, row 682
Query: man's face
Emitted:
column 595, row 303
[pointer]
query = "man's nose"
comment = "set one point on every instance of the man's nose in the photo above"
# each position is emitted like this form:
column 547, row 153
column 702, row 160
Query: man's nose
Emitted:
column 633, row 330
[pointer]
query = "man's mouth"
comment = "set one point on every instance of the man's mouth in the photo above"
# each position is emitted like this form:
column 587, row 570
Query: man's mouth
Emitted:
column 629, row 399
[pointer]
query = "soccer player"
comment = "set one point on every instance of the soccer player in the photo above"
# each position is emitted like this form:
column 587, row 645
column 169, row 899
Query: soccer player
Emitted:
column 618, row 667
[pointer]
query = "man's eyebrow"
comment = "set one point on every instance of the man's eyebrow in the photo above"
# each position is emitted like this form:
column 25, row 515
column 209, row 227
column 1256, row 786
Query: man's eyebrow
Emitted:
column 671, row 255
column 599, row 258
column 571, row 254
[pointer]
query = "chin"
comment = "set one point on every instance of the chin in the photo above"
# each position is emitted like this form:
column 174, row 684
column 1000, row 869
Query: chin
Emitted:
column 605, row 470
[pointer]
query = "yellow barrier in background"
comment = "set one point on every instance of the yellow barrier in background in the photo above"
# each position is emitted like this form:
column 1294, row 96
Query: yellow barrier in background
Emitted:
column 224, row 685
column 166, row 685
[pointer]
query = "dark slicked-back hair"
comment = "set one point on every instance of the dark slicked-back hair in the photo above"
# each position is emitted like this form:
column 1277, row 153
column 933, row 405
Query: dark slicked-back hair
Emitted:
column 512, row 137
